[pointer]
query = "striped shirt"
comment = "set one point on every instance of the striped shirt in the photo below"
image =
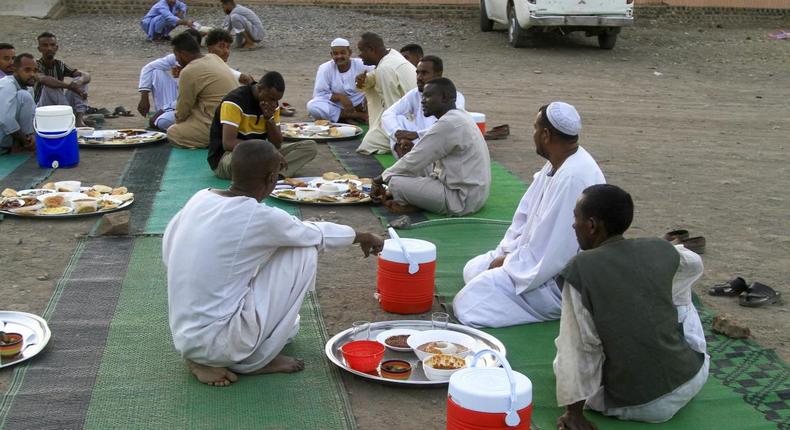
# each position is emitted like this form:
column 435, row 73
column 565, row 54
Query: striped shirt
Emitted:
column 59, row 70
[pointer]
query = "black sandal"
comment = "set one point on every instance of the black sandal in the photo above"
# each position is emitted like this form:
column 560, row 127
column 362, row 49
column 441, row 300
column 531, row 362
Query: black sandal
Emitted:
column 731, row 288
column 758, row 295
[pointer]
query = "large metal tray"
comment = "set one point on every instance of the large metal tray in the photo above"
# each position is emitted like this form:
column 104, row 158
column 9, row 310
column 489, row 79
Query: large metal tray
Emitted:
column 484, row 341
column 121, row 207
column 32, row 328
column 274, row 195
column 322, row 137
column 151, row 137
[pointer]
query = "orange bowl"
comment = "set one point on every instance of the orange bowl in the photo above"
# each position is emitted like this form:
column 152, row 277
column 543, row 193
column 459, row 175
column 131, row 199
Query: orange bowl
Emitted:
column 12, row 346
column 363, row 355
column 396, row 369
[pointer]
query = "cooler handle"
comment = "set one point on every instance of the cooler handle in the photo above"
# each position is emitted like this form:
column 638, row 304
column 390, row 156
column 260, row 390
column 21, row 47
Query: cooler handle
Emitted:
column 55, row 136
column 413, row 266
column 511, row 418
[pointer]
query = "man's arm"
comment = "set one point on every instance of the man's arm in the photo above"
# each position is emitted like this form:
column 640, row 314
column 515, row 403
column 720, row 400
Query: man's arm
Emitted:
column 389, row 119
column 187, row 95
column 433, row 147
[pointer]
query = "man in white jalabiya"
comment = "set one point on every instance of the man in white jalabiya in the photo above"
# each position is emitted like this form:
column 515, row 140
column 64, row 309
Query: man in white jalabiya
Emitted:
column 335, row 95
column 388, row 83
column 515, row 283
column 404, row 122
column 238, row 271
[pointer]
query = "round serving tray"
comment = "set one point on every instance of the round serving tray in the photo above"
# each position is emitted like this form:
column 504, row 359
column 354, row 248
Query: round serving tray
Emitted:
column 321, row 137
column 417, row 378
column 122, row 206
column 32, row 328
column 151, row 136
column 313, row 203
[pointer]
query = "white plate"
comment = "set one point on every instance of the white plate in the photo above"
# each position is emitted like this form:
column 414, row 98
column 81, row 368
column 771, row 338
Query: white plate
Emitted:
column 9, row 199
column 34, row 191
column 31, row 327
column 395, row 332
column 67, row 196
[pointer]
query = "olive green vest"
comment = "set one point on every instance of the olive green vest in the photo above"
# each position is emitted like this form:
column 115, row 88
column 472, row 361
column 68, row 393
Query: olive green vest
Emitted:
column 626, row 285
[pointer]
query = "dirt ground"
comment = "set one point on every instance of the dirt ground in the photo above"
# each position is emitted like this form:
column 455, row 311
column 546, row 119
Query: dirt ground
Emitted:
column 692, row 121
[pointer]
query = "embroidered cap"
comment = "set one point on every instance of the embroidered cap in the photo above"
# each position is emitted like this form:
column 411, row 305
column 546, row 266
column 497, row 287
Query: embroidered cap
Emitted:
column 340, row 42
column 564, row 118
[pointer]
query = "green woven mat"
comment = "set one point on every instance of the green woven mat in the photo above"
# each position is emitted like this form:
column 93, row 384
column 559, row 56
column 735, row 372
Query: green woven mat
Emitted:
column 720, row 405
column 9, row 162
column 186, row 173
column 506, row 192
column 143, row 383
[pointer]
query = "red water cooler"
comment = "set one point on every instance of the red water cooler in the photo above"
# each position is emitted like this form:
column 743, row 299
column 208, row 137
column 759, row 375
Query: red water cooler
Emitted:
column 401, row 287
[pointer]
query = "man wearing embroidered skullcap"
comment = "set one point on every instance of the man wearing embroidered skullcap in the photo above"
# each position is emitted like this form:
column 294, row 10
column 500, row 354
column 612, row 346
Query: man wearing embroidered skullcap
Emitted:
column 335, row 95
column 516, row 283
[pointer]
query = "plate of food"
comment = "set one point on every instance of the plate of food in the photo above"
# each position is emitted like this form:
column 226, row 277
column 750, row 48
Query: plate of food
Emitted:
column 123, row 138
column 47, row 202
column 396, row 339
column 320, row 130
column 24, row 336
column 329, row 189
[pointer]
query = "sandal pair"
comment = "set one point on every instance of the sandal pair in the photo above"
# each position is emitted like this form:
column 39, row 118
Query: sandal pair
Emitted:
column 753, row 296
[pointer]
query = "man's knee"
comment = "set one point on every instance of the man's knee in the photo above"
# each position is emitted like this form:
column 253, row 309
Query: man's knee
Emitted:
column 237, row 22
column 314, row 109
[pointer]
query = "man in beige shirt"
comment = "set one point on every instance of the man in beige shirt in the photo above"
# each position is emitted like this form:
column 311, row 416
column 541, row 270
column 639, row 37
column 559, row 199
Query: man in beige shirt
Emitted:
column 203, row 82
column 391, row 80
column 461, row 177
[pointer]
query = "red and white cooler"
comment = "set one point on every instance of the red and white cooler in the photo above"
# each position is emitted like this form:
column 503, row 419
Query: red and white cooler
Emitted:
column 406, row 275
column 486, row 398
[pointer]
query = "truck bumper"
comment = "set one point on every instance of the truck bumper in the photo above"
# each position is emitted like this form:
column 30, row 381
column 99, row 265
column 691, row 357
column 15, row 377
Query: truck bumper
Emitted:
column 577, row 21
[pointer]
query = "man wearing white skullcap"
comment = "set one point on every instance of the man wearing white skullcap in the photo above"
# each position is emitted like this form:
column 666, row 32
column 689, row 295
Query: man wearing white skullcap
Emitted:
column 516, row 282
column 335, row 95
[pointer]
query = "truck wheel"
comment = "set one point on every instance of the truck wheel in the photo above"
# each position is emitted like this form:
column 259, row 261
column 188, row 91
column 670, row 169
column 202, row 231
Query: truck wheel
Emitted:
column 515, row 34
column 485, row 23
column 607, row 39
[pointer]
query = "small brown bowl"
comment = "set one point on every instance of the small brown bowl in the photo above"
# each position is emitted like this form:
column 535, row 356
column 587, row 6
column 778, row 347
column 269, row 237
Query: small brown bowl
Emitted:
column 395, row 369
column 10, row 345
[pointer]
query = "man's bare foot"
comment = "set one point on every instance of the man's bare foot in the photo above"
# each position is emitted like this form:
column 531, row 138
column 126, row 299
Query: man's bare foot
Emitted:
column 281, row 364
column 214, row 376
column 398, row 208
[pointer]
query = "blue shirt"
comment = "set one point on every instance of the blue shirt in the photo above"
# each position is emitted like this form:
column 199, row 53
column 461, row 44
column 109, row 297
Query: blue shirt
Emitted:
column 161, row 8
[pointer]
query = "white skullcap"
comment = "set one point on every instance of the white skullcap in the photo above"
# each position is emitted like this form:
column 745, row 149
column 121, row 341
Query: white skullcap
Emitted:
column 340, row 42
column 564, row 118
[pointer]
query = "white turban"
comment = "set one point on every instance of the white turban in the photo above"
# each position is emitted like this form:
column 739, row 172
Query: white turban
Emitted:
column 340, row 42
column 564, row 118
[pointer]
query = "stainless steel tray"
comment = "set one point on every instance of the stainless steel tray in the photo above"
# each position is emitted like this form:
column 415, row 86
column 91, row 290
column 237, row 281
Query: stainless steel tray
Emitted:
column 34, row 331
column 417, row 378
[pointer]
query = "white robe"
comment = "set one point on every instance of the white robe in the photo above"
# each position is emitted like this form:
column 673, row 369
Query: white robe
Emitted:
column 538, row 244
column 406, row 114
column 579, row 361
column 329, row 80
column 393, row 78
column 237, row 272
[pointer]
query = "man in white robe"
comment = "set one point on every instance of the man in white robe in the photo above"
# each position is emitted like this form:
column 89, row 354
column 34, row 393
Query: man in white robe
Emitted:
column 404, row 122
column 238, row 270
column 515, row 283
column 454, row 155
column 622, row 303
column 159, row 78
column 335, row 94
column 388, row 83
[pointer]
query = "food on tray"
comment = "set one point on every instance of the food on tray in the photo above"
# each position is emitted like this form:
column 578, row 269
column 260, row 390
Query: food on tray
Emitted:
column 82, row 206
column 321, row 122
column 35, row 192
column 29, row 200
column 54, row 201
column 48, row 186
column 119, row 191
column 349, row 176
column 92, row 193
column 287, row 194
column 366, row 181
column 107, row 204
column 103, row 189
column 398, row 341
column 442, row 347
column 10, row 203
column 123, row 197
column 396, row 369
column 330, row 176
column 335, row 132
column 8, row 192
column 294, row 182
column 446, row 362
column 27, row 210
column 57, row 210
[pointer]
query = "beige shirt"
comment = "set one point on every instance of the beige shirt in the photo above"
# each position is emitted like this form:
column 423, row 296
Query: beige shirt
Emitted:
column 393, row 77
column 459, row 155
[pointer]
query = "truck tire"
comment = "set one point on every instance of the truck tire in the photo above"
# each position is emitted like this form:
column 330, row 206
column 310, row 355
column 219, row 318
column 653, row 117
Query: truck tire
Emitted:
column 607, row 39
column 485, row 23
column 515, row 34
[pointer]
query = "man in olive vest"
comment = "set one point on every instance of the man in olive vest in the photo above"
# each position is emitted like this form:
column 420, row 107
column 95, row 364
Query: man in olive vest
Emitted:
column 631, row 343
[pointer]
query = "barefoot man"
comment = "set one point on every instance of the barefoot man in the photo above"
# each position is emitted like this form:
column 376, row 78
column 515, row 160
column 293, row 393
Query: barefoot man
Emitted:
column 238, row 270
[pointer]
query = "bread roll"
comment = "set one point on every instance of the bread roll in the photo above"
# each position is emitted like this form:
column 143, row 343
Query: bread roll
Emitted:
column 8, row 192
column 118, row 191
column 48, row 186
column 103, row 189
column 54, row 201
column 84, row 206
column 123, row 197
column 349, row 176
column 330, row 176
column 321, row 122
column 94, row 193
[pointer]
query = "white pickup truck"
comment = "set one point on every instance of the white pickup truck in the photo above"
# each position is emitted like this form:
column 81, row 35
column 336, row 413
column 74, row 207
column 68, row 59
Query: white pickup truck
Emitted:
column 602, row 18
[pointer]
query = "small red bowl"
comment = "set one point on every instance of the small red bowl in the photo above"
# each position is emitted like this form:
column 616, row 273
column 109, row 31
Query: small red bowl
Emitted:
column 12, row 348
column 396, row 369
column 363, row 355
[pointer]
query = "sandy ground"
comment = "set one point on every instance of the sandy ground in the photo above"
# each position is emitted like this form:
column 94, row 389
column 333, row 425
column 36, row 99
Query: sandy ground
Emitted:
column 691, row 120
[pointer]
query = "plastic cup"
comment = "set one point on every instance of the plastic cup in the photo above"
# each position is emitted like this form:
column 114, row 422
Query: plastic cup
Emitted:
column 360, row 330
column 439, row 320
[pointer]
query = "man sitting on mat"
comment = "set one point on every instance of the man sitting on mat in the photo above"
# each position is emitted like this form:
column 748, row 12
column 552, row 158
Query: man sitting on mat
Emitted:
column 404, row 121
column 51, row 87
column 335, row 95
column 163, row 17
column 202, row 83
column 17, row 107
column 234, row 297
column 515, row 283
column 631, row 343
column 243, row 23
column 252, row 112
column 454, row 153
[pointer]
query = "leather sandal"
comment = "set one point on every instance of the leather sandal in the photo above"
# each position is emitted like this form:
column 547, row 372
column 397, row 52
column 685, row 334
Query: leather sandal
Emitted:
column 287, row 110
column 498, row 132
column 758, row 295
column 696, row 244
column 676, row 234
column 731, row 288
